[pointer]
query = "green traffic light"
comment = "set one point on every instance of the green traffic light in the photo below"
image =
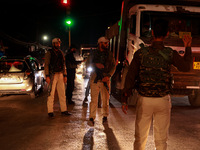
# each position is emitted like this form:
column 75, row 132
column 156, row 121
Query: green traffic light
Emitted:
column 68, row 22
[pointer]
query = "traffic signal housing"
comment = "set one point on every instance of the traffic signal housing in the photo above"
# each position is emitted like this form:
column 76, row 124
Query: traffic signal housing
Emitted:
column 65, row 2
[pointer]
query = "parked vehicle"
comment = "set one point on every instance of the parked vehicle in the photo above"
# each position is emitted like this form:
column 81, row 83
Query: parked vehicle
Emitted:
column 21, row 76
column 85, row 51
column 134, row 28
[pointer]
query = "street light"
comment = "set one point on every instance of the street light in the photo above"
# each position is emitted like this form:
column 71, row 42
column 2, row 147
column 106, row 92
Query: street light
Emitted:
column 44, row 38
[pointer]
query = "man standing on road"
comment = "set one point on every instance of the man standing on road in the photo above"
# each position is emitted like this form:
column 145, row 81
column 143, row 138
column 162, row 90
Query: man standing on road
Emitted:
column 149, row 73
column 56, row 77
column 71, row 65
column 103, row 62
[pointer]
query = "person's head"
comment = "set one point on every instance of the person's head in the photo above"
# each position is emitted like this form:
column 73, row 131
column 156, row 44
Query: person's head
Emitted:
column 56, row 43
column 103, row 43
column 160, row 28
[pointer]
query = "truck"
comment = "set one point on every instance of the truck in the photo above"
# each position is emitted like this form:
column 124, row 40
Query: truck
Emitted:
column 134, row 28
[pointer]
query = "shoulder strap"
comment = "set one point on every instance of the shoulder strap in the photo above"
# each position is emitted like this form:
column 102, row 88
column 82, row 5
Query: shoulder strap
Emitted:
column 144, row 48
column 166, row 53
column 163, row 55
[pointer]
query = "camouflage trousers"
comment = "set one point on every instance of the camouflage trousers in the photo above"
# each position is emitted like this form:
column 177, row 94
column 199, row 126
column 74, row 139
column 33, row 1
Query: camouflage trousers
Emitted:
column 158, row 110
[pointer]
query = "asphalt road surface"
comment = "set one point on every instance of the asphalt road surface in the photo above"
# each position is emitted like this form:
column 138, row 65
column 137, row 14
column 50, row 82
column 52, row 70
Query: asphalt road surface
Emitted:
column 24, row 125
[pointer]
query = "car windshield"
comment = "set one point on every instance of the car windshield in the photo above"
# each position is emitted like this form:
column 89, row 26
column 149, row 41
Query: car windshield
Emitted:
column 179, row 24
column 12, row 66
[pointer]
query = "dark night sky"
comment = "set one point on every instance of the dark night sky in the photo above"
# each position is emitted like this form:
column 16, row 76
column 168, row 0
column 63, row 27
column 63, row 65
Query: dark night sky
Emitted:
column 28, row 20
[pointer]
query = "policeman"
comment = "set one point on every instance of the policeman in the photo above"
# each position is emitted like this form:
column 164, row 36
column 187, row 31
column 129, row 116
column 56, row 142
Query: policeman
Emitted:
column 103, row 62
column 149, row 73
column 56, row 77
column 71, row 65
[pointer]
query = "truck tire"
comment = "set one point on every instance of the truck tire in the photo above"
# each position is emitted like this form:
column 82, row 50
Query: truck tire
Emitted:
column 195, row 99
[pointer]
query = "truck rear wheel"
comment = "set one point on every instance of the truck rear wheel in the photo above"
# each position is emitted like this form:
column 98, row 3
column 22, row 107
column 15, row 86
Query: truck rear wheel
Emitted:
column 195, row 98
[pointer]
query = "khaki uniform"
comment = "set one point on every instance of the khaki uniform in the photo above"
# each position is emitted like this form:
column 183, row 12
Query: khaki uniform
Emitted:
column 57, row 83
column 100, row 87
column 55, row 69
column 105, row 96
column 156, row 108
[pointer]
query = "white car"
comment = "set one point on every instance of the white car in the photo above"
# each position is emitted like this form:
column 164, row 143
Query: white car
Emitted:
column 20, row 76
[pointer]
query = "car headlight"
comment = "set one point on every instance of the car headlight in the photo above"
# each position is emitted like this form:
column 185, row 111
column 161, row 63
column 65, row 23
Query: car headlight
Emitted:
column 89, row 69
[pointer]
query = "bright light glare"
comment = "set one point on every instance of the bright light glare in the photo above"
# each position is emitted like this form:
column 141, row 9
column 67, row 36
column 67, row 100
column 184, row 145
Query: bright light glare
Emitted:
column 45, row 37
column 64, row 1
column 69, row 22
column 89, row 69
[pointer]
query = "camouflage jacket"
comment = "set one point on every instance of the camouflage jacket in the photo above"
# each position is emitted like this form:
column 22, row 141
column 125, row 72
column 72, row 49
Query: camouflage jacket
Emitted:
column 136, row 72
column 105, row 58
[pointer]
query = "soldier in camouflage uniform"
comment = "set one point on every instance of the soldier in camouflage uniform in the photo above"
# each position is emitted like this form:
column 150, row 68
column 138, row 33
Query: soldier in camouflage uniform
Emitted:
column 149, row 73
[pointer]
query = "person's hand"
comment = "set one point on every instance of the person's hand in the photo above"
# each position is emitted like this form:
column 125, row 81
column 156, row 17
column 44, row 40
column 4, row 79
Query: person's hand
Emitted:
column 187, row 40
column 124, row 108
column 65, row 80
column 124, row 102
column 105, row 79
column 99, row 65
column 48, row 80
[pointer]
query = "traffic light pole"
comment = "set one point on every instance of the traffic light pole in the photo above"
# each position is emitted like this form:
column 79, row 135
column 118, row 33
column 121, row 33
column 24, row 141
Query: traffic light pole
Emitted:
column 69, row 37
column 68, row 14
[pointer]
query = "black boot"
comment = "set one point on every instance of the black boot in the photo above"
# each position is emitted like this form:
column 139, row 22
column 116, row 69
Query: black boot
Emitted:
column 105, row 119
column 65, row 113
column 51, row 115
column 71, row 102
